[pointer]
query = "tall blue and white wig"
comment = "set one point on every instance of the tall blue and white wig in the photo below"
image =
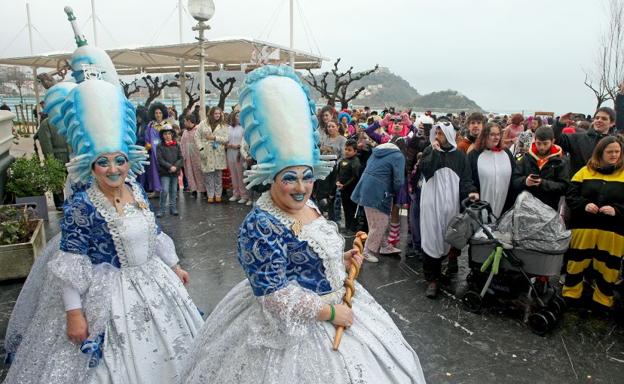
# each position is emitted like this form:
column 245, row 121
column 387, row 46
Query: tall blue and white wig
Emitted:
column 93, row 113
column 279, row 119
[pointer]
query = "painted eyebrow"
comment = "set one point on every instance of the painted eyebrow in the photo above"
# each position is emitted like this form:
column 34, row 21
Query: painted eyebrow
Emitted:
column 289, row 174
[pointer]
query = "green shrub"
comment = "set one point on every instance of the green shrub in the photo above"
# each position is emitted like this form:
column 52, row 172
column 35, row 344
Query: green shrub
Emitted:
column 16, row 224
column 29, row 177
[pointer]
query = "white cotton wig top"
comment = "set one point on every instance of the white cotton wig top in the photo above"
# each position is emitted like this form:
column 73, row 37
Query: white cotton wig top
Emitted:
column 279, row 120
column 94, row 115
column 448, row 130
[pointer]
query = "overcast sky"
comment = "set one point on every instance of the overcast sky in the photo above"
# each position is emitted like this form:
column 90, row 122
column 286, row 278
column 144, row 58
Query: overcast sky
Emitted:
column 507, row 55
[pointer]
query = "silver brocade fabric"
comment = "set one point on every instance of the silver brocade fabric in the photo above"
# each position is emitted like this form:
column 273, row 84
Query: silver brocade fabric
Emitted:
column 535, row 226
column 147, row 316
column 277, row 339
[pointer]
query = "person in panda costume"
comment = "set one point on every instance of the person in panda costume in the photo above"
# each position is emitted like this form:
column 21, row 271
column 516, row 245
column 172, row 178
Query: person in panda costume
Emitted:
column 445, row 179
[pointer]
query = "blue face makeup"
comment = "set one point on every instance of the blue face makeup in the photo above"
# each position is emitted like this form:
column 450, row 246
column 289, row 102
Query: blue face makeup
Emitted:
column 104, row 162
column 308, row 176
column 120, row 160
column 291, row 177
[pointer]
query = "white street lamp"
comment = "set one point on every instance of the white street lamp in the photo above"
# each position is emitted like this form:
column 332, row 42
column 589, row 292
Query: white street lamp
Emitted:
column 202, row 11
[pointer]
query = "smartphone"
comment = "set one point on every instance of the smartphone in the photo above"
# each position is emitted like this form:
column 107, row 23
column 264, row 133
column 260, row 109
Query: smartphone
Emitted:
column 534, row 177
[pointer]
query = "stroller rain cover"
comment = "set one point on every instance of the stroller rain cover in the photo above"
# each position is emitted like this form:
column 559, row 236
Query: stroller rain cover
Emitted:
column 535, row 226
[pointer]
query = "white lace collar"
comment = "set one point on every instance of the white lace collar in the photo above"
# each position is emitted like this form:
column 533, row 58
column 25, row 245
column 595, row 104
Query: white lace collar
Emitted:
column 116, row 226
column 333, row 264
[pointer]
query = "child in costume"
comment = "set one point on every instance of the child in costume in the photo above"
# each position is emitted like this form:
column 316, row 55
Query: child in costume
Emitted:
column 105, row 302
column 277, row 326
column 169, row 157
column 347, row 179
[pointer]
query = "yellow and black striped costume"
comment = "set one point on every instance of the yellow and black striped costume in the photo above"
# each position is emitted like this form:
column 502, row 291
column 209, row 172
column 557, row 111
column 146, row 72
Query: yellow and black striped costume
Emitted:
column 597, row 244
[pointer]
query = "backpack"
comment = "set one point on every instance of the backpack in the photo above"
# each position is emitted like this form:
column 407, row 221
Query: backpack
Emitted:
column 460, row 230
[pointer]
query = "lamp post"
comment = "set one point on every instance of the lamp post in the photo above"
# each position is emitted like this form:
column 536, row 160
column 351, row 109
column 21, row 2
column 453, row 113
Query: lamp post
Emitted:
column 202, row 11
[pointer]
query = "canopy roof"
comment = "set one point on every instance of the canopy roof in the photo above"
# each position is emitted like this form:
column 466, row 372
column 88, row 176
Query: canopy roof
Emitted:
column 230, row 54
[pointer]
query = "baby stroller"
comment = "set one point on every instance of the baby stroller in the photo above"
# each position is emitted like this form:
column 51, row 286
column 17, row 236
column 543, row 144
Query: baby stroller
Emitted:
column 511, row 260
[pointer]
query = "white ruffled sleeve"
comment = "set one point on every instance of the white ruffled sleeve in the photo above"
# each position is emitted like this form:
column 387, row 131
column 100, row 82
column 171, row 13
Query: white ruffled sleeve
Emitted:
column 294, row 308
column 75, row 271
column 165, row 249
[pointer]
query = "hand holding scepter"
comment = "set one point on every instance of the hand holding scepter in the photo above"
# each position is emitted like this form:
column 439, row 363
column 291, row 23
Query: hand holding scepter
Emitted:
column 354, row 271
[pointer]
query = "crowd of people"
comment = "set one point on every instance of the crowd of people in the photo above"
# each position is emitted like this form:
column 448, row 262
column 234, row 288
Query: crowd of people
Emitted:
column 385, row 161
column 429, row 163
column 425, row 163
column 107, row 296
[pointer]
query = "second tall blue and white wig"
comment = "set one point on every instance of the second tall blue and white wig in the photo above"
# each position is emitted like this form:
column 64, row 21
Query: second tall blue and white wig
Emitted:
column 279, row 118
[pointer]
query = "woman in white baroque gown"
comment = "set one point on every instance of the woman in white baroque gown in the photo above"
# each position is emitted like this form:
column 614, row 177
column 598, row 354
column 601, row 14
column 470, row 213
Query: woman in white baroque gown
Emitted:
column 277, row 326
column 105, row 303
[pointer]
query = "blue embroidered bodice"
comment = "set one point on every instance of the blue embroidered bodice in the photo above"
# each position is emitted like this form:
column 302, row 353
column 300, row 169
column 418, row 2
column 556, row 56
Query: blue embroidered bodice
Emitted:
column 85, row 230
column 272, row 256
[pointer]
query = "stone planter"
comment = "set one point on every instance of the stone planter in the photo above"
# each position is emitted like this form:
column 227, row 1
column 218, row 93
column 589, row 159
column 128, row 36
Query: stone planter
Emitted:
column 42, row 205
column 17, row 259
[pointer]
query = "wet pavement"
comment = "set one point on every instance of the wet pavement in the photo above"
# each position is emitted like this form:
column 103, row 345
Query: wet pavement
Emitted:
column 454, row 346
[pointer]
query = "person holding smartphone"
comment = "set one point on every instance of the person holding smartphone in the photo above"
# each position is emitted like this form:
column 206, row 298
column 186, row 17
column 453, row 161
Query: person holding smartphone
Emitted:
column 543, row 170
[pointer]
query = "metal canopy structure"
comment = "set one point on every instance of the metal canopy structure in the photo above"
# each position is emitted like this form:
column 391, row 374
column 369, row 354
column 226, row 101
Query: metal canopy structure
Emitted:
column 230, row 54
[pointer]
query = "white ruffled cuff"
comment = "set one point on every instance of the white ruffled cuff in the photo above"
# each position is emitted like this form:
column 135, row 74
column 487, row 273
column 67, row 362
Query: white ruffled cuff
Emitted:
column 294, row 308
column 165, row 249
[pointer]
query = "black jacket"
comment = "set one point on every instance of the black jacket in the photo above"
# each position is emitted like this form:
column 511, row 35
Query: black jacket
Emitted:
column 619, row 112
column 415, row 145
column 579, row 146
column 168, row 156
column 348, row 173
column 554, row 175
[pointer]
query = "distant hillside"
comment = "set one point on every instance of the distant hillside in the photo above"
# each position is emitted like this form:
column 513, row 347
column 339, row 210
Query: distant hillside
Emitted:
column 384, row 88
column 445, row 100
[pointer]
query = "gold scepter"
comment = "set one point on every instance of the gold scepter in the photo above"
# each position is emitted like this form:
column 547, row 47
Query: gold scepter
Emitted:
column 354, row 271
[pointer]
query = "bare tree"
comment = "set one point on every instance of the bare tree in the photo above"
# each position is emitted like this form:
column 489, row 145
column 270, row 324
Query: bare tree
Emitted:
column 340, row 87
column 16, row 76
column 192, row 90
column 155, row 86
column 224, row 87
column 598, row 87
column 127, row 87
column 611, row 51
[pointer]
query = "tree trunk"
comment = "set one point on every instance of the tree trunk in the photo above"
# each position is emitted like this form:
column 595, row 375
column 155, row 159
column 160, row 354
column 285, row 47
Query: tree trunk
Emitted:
column 344, row 105
column 150, row 98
